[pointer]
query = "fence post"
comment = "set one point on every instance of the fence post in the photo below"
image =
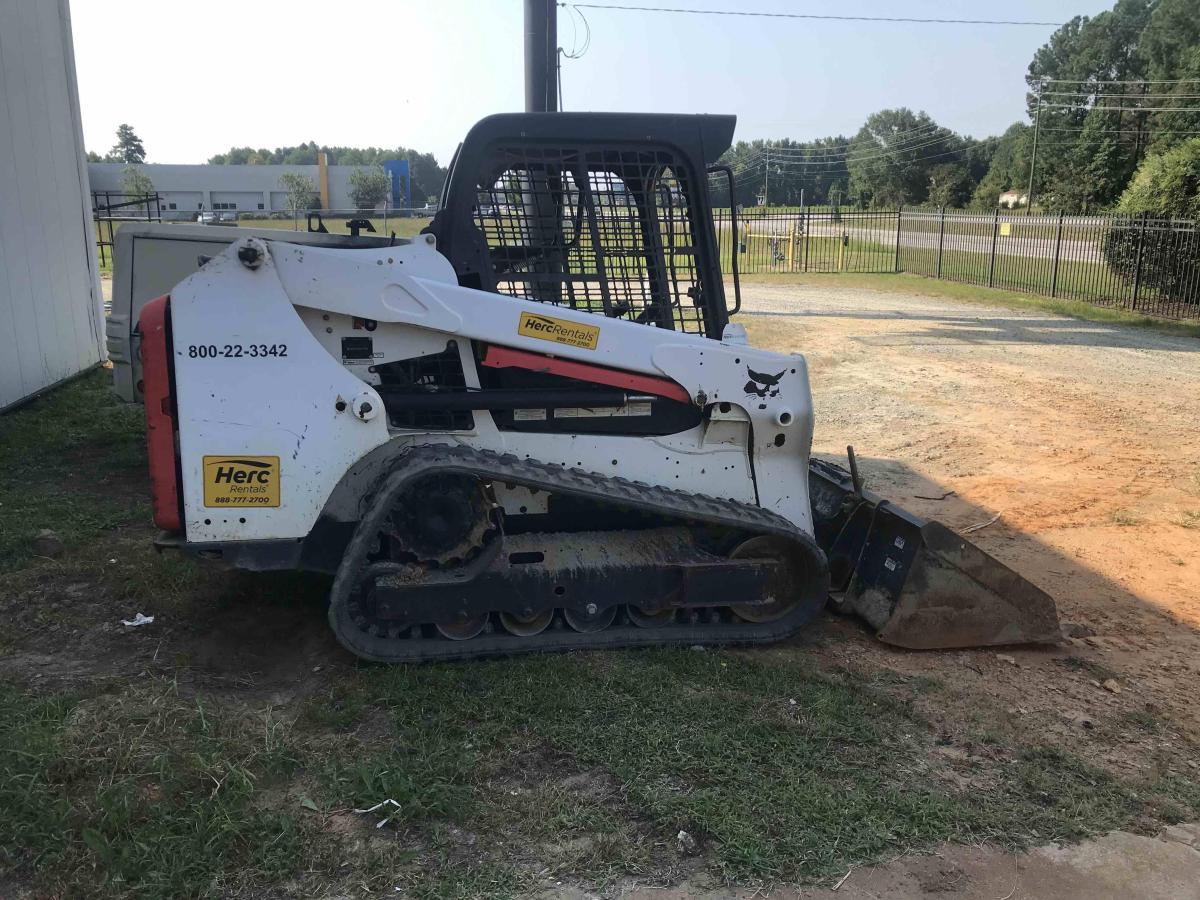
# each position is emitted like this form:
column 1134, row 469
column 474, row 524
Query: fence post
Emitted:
column 791, row 253
column 1137, row 272
column 899, row 214
column 995, row 232
column 941, row 240
column 1057, row 254
column 807, row 234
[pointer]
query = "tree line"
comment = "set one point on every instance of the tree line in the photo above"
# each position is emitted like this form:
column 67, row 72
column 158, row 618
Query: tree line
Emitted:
column 1106, row 95
column 426, row 175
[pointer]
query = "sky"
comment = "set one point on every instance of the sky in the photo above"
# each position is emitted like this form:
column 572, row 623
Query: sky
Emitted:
column 196, row 77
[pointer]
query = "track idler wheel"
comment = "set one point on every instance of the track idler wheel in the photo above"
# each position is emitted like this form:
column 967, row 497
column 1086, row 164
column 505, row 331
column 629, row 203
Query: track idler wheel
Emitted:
column 526, row 626
column 645, row 618
column 785, row 589
column 592, row 619
column 463, row 630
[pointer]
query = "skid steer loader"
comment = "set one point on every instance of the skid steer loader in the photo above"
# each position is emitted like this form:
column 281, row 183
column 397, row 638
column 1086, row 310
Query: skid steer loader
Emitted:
column 533, row 427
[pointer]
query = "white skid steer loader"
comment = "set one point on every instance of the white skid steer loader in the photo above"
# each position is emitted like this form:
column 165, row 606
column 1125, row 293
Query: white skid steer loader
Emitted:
column 533, row 427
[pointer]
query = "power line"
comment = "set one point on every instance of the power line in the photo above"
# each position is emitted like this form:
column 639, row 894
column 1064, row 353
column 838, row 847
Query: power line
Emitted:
column 1099, row 95
column 759, row 165
column 837, row 169
column 810, row 16
column 1146, row 131
column 861, row 157
column 906, row 141
column 1123, row 108
column 925, row 131
column 898, row 134
column 1134, row 81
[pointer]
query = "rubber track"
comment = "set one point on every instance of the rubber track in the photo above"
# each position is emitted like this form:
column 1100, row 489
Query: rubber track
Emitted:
column 696, row 508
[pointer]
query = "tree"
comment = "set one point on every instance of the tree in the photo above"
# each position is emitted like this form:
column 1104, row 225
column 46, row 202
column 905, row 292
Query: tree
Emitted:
column 425, row 175
column 890, row 158
column 300, row 190
column 93, row 156
column 1008, row 168
column 136, row 184
column 1074, row 72
column 128, row 148
column 950, row 185
column 1100, row 165
column 369, row 186
column 1167, row 185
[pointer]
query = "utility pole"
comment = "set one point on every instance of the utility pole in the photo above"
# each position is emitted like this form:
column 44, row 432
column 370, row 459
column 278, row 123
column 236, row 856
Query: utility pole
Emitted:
column 767, row 180
column 1141, row 122
column 541, row 56
column 1037, row 121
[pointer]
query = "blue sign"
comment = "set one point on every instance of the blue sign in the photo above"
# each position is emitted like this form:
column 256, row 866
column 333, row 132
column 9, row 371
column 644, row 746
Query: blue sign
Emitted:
column 397, row 169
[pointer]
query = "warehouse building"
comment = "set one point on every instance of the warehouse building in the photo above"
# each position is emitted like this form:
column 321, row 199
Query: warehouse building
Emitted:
column 184, row 190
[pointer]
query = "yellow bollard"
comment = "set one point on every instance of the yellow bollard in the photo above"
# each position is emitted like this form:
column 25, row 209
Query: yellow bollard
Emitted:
column 791, row 253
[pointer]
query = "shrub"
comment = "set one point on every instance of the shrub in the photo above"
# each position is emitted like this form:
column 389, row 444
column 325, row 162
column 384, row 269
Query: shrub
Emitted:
column 1165, row 189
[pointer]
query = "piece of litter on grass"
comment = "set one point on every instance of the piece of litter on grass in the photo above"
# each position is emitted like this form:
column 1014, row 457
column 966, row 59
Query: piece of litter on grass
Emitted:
column 380, row 805
column 137, row 620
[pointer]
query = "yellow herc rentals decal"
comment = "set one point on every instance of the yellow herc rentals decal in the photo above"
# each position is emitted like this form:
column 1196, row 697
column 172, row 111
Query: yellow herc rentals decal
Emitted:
column 560, row 331
column 231, row 481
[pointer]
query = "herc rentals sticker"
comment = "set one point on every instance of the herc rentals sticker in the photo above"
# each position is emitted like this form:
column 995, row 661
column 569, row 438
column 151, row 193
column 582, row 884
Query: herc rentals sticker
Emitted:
column 241, row 481
column 560, row 331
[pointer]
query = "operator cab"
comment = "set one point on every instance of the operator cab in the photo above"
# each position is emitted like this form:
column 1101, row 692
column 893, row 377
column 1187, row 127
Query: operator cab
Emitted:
column 600, row 212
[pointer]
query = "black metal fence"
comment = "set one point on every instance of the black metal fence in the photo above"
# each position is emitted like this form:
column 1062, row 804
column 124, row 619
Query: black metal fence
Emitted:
column 1140, row 264
column 809, row 240
column 110, row 209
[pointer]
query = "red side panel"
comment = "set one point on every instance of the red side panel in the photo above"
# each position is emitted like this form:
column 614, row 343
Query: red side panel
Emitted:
column 507, row 358
column 160, row 417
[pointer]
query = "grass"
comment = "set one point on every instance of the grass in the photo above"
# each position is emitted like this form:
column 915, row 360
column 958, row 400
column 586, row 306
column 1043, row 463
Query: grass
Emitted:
column 580, row 767
column 142, row 793
column 65, row 457
column 968, row 293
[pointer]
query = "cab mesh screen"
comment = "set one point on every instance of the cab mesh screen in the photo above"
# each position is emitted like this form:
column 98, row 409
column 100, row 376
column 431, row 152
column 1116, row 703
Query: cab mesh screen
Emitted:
column 608, row 232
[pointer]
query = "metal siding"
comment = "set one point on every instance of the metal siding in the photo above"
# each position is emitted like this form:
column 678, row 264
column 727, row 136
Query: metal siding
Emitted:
column 48, row 308
column 244, row 199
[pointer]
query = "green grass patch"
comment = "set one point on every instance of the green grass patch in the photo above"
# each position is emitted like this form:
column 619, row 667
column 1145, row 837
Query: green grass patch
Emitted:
column 779, row 771
column 68, row 458
column 144, row 794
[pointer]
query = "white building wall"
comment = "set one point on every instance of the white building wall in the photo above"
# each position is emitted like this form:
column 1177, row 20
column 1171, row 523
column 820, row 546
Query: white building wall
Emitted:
column 50, row 304
column 189, row 185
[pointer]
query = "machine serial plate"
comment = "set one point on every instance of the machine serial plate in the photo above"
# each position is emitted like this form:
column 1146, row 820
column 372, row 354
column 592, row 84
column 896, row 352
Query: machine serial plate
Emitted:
column 240, row 481
column 558, row 331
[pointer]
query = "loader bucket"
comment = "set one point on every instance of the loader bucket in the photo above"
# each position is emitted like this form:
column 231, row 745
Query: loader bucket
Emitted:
column 916, row 582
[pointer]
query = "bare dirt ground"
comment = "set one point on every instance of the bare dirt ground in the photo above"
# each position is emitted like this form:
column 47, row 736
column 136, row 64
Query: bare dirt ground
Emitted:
column 1083, row 437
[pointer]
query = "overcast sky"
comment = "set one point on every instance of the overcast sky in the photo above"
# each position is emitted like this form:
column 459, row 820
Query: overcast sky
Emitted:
column 195, row 77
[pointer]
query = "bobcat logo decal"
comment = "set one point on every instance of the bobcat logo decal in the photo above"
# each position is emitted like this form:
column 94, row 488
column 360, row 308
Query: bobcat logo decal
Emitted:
column 761, row 385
